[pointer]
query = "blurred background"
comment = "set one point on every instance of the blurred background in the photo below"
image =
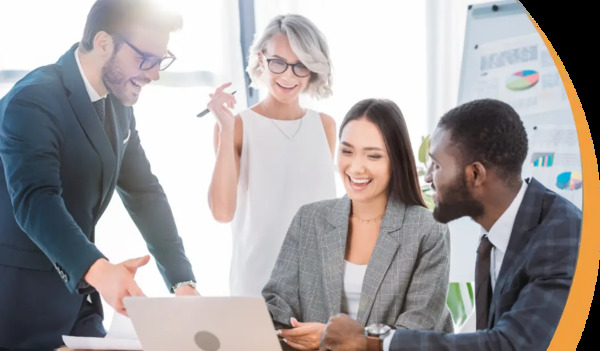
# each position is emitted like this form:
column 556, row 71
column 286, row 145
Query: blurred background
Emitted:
column 404, row 50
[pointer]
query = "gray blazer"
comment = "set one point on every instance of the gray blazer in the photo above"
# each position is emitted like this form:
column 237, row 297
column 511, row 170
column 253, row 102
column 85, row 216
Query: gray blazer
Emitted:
column 406, row 281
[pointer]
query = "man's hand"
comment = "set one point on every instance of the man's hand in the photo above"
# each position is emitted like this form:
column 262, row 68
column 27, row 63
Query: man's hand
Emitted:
column 304, row 336
column 186, row 290
column 115, row 281
column 343, row 333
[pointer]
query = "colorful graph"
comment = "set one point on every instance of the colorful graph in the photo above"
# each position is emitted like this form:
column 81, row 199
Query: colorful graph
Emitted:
column 542, row 159
column 522, row 80
column 569, row 181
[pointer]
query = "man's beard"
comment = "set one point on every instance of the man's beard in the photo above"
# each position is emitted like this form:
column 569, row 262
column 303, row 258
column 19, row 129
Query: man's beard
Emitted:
column 116, row 82
column 458, row 203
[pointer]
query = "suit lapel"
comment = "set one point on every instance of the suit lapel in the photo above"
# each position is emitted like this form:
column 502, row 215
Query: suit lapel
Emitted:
column 332, row 247
column 86, row 115
column 381, row 259
column 526, row 220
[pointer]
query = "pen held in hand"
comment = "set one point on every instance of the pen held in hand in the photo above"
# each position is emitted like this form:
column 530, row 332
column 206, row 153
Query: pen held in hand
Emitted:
column 203, row 113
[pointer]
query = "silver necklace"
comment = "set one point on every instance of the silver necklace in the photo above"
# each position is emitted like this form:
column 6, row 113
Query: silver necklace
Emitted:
column 284, row 133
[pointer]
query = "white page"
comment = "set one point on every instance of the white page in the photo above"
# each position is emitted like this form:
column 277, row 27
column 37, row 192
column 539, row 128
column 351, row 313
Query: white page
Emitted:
column 121, row 336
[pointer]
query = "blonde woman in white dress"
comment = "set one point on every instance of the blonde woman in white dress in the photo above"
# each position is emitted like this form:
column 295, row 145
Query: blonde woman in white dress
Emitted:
column 275, row 156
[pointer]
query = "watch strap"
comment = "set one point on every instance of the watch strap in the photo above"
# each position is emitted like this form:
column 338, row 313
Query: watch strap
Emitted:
column 374, row 343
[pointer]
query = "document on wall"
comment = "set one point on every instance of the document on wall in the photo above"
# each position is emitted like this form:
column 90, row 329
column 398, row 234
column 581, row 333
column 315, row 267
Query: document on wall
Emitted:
column 521, row 72
column 121, row 336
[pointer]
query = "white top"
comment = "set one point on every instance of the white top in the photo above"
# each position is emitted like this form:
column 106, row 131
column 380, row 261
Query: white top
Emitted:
column 283, row 165
column 499, row 234
column 354, row 274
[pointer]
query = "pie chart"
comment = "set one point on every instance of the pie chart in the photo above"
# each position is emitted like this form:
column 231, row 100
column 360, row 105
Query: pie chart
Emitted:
column 522, row 80
column 569, row 181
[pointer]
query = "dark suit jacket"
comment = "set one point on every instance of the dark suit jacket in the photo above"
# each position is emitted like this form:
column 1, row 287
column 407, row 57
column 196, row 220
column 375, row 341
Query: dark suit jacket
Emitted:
column 59, row 171
column 406, row 281
column 533, row 284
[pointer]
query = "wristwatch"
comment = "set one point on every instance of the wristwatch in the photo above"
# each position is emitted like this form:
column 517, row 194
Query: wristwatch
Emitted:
column 180, row 284
column 375, row 333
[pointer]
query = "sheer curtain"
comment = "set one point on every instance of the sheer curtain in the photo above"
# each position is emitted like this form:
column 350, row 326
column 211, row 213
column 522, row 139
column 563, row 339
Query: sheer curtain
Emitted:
column 446, row 21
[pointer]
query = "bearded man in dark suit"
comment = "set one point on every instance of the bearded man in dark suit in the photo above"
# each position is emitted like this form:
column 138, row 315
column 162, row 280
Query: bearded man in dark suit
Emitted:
column 68, row 138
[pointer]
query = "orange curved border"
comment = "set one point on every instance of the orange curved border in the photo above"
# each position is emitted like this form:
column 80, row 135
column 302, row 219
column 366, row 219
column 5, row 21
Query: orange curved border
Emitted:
column 578, row 305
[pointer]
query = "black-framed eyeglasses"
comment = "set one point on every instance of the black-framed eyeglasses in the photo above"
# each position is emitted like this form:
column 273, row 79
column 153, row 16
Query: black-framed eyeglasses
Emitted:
column 149, row 61
column 279, row 66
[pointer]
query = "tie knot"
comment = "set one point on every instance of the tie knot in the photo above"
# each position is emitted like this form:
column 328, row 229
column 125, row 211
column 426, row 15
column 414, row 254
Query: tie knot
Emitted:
column 485, row 246
column 99, row 105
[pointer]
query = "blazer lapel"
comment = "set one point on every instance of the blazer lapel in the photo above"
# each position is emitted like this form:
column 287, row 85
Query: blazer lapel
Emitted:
column 332, row 247
column 527, row 219
column 381, row 259
column 86, row 115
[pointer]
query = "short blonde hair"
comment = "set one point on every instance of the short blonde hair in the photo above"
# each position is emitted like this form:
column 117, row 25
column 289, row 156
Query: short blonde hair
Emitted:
column 307, row 42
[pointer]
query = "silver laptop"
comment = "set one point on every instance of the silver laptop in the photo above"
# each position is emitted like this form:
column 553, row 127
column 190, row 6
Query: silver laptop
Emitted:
column 197, row 323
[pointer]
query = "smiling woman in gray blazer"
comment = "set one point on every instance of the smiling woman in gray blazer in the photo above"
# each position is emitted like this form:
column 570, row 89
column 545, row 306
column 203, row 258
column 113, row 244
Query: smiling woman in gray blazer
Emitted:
column 376, row 253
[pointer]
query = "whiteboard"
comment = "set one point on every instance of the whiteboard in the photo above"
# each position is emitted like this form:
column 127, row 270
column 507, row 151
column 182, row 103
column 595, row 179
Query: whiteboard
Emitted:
column 505, row 58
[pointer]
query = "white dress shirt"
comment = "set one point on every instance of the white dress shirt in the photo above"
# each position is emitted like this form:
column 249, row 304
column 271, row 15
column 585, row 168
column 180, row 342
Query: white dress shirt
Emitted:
column 499, row 234
column 94, row 96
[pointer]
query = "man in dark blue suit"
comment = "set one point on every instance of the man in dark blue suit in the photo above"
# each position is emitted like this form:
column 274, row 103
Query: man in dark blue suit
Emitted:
column 527, row 253
column 68, row 138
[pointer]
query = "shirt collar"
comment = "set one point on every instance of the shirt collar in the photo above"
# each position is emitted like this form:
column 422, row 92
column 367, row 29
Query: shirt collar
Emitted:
column 499, row 234
column 94, row 96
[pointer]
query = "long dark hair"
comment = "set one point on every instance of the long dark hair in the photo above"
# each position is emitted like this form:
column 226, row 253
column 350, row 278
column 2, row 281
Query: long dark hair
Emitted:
column 386, row 115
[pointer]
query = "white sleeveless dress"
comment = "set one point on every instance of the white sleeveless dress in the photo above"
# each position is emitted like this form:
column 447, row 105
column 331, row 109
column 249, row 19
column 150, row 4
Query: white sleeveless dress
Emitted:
column 283, row 165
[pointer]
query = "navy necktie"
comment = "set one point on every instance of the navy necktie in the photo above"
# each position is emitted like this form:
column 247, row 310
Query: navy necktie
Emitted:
column 100, row 106
column 483, row 283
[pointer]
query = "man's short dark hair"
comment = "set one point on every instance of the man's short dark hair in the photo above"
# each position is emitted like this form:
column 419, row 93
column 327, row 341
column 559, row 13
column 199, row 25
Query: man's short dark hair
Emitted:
column 489, row 131
column 117, row 16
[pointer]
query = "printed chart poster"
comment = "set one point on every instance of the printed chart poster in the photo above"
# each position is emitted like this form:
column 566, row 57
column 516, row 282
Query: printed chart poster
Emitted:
column 520, row 71
column 554, row 160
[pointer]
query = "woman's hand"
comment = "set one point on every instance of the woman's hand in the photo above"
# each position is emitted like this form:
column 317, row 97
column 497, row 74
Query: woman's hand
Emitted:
column 304, row 336
column 221, row 104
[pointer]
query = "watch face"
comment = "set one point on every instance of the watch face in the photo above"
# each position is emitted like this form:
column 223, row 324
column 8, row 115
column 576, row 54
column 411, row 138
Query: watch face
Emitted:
column 378, row 329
